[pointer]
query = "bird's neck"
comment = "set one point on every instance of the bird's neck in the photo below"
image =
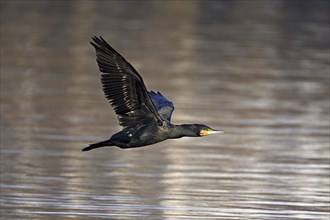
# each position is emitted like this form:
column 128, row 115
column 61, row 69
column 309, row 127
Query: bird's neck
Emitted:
column 184, row 130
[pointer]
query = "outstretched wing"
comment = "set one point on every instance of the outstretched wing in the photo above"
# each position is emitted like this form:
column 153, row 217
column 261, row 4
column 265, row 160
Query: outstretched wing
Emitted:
column 164, row 107
column 124, row 87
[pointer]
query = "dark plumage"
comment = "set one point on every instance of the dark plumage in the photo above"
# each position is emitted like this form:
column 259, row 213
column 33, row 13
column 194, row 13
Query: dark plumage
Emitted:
column 145, row 116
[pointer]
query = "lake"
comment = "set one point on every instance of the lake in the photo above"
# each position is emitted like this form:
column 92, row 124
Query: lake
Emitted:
column 259, row 70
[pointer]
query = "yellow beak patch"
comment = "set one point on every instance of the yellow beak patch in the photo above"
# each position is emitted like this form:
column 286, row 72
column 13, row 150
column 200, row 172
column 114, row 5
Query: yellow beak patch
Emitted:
column 209, row 131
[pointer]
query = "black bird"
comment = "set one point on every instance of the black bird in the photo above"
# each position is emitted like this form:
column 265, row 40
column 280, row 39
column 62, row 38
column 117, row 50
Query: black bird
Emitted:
column 145, row 116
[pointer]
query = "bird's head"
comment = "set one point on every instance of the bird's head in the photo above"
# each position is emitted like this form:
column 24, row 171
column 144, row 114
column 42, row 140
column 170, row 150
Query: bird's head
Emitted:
column 203, row 130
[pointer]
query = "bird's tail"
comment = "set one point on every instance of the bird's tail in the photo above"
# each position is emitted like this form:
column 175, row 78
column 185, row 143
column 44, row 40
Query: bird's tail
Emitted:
column 97, row 145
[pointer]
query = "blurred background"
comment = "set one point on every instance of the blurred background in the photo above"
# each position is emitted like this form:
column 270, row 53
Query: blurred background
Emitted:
column 259, row 70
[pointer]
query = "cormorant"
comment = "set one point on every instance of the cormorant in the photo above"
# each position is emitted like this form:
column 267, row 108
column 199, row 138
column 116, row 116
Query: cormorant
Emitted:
column 145, row 116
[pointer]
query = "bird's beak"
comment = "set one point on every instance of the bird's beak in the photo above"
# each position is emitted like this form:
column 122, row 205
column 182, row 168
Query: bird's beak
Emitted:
column 210, row 131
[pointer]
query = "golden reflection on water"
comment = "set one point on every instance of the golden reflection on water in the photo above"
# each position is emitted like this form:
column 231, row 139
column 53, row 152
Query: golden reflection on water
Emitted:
column 258, row 70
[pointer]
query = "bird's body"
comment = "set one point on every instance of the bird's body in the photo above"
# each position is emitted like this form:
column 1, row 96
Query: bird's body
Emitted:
column 145, row 116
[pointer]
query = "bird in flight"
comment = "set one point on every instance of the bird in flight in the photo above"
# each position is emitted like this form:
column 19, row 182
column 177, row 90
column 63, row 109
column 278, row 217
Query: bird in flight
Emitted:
column 144, row 115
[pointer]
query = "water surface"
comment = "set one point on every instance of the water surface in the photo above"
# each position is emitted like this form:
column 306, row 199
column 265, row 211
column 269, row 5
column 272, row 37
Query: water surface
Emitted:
column 259, row 70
